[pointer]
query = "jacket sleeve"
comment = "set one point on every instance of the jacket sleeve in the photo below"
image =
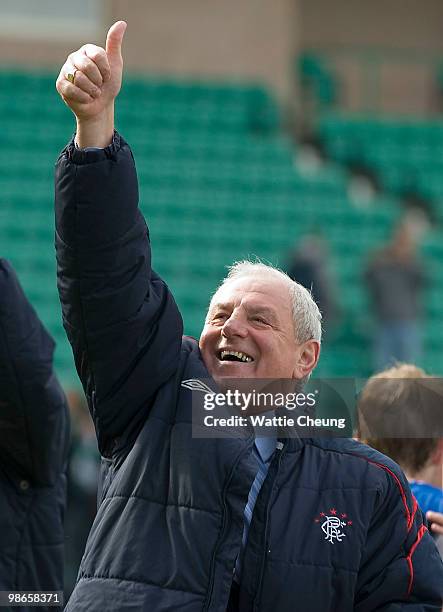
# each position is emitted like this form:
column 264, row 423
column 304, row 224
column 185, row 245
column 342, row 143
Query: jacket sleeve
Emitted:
column 34, row 422
column 401, row 568
column 120, row 317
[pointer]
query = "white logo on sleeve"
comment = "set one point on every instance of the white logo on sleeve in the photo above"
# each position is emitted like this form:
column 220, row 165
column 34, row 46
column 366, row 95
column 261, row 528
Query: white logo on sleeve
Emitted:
column 197, row 385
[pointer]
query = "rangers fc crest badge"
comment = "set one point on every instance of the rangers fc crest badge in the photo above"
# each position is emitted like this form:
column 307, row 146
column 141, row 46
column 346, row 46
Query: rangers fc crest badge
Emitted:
column 333, row 524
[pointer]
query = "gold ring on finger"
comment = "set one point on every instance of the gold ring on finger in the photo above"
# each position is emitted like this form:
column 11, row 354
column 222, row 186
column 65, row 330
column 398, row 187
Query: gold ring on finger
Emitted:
column 71, row 76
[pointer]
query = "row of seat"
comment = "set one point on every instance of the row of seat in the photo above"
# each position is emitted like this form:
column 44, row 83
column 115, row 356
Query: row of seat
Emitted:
column 405, row 156
column 390, row 129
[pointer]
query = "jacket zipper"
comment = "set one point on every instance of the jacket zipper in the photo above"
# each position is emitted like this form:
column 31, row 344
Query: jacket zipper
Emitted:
column 222, row 532
column 280, row 450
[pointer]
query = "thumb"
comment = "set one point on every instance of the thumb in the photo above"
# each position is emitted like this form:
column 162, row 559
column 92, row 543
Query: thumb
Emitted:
column 114, row 41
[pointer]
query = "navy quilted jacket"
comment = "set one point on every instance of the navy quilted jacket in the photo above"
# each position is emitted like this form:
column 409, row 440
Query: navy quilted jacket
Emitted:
column 170, row 516
column 34, row 435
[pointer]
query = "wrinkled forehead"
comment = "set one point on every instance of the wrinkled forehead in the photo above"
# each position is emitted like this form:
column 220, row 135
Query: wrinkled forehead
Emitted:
column 269, row 291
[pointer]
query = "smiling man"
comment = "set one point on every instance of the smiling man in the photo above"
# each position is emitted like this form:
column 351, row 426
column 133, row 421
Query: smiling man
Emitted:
column 260, row 324
column 198, row 524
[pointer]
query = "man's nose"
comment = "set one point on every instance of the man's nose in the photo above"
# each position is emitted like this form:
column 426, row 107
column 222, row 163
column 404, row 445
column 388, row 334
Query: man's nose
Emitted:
column 235, row 326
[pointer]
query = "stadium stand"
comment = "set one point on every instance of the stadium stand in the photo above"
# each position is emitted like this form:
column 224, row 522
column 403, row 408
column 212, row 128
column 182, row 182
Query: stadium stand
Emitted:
column 405, row 154
column 218, row 182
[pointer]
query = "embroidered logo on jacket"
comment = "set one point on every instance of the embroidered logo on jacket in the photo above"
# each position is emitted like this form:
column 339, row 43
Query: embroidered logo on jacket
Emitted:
column 332, row 525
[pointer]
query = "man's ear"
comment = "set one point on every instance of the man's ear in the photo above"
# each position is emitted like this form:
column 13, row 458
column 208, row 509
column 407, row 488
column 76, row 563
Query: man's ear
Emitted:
column 437, row 455
column 307, row 358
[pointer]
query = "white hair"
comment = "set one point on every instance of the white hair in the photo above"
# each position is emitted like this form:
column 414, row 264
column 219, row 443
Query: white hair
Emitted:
column 305, row 312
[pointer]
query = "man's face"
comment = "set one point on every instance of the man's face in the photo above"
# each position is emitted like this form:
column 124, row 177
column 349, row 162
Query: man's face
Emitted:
column 253, row 317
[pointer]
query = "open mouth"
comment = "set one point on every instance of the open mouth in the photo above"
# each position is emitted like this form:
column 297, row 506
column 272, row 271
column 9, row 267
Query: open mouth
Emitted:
column 225, row 355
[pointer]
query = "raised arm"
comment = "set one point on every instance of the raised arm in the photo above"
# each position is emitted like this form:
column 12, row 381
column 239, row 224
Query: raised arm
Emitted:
column 120, row 317
column 34, row 423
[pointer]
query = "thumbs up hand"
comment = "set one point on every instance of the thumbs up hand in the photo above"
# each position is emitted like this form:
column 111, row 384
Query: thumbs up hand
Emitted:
column 89, row 82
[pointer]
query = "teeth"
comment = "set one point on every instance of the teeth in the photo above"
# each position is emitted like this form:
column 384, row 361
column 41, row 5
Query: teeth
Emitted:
column 241, row 356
